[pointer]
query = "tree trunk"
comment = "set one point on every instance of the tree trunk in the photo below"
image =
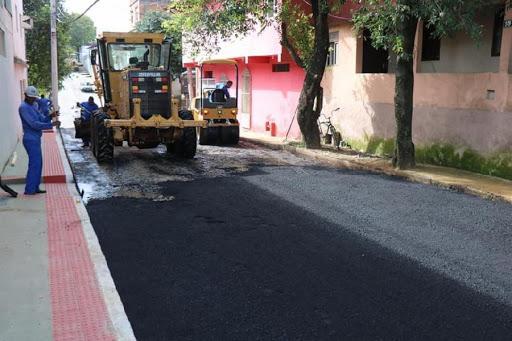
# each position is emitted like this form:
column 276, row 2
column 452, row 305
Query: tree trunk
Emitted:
column 311, row 96
column 404, row 154
column 308, row 111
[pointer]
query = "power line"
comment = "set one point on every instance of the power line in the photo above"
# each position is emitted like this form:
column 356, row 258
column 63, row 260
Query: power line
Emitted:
column 84, row 12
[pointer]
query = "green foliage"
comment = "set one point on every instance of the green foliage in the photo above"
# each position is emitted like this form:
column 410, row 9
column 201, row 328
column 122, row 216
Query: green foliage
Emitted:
column 499, row 164
column 152, row 22
column 300, row 32
column 38, row 44
column 374, row 145
column 443, row 154
column 208, row 23
column 159, row 22
column 381, row 18
column 81, row 31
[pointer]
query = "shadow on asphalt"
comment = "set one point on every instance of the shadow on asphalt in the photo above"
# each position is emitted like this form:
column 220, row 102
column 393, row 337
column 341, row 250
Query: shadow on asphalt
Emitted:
column 227, row 260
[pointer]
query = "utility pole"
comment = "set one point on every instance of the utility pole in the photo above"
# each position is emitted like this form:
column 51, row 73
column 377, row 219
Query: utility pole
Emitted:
column 54, row 58
column 190, row 79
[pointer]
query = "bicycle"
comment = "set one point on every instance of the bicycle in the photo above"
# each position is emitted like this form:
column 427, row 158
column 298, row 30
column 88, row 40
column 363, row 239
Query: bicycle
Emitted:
column 331, row 135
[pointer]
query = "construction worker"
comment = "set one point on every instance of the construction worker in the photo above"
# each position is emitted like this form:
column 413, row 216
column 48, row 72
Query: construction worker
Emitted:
column 44, row 107
column 33, row 124
column 88, row 108
column 225, row 89
column 221, row 92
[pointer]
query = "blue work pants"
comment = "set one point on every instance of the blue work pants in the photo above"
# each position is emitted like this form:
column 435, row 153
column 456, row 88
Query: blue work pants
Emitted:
column 32, row 145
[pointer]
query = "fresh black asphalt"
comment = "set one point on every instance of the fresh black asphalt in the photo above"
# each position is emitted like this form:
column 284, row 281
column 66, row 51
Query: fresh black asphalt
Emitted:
column 309, row 253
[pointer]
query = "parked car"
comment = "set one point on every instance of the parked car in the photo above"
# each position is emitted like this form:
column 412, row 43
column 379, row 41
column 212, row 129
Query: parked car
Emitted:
column 87, row 87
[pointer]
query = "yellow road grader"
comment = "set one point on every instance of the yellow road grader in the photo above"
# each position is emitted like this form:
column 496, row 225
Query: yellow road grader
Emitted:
column 134, row 83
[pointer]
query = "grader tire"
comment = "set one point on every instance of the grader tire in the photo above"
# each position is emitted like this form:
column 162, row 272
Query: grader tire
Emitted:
column 186, row 147
column 104, row 142
column 230, row 135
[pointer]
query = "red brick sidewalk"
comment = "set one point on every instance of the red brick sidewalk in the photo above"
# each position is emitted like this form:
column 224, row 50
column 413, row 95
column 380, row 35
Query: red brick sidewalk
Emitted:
column 56, row 284
column 78, row 309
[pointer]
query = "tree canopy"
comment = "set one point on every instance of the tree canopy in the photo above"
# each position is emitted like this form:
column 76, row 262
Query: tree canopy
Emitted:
column 304, row 33
column 81, row 31
column 158, row 22
column 38, row 43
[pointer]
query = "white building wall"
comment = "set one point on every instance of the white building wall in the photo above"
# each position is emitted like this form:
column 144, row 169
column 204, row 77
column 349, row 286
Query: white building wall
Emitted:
column 9, row 127
column 20, row 63
column 10, row 75
column 257, row 43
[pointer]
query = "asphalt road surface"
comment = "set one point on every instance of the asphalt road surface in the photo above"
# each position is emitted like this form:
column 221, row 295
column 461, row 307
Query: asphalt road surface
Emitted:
column 250, row 244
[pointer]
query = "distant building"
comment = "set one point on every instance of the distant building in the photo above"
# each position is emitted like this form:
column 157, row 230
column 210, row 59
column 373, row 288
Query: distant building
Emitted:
column 138, row 8
column 13, row 74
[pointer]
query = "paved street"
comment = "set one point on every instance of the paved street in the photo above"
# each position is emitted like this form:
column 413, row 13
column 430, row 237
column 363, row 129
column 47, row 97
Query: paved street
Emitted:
column 246, row 243
column 398, row 226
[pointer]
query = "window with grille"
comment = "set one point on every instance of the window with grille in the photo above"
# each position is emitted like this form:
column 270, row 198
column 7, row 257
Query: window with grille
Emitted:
column 333, row 48
column 331, row 57
column 281, row 68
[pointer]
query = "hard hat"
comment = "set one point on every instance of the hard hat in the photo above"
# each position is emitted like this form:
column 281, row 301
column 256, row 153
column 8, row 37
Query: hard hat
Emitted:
column 31, row 91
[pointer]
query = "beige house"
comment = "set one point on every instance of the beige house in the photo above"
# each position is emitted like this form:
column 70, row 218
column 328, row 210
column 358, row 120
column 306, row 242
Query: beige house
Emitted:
column 463, row 90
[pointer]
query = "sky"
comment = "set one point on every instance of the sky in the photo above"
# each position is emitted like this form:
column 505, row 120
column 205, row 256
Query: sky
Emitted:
column 108, row 15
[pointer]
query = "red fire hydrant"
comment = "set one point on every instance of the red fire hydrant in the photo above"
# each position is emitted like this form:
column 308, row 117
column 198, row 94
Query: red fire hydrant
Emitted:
column 273, row 129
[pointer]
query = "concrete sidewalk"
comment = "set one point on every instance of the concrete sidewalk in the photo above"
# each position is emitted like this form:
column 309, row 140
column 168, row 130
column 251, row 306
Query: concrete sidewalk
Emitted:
column 55, row 281
column 467, row 182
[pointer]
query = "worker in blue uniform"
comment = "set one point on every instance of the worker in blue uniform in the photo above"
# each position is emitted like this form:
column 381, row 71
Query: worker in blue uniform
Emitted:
column 33, row 124
column 225, row 89
column 88, row 108
column 44, row 107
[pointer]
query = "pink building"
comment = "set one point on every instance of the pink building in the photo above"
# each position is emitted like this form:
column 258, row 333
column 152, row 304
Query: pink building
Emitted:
column 269, row 81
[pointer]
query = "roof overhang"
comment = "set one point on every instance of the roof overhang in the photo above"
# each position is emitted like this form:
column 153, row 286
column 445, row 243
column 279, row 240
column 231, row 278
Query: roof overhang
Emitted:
column 193, row 64
column 219, row 61
column 133, row 37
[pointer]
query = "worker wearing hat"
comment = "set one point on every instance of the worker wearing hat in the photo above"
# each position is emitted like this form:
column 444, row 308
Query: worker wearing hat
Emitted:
column 33, row 124
column 44, row 107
